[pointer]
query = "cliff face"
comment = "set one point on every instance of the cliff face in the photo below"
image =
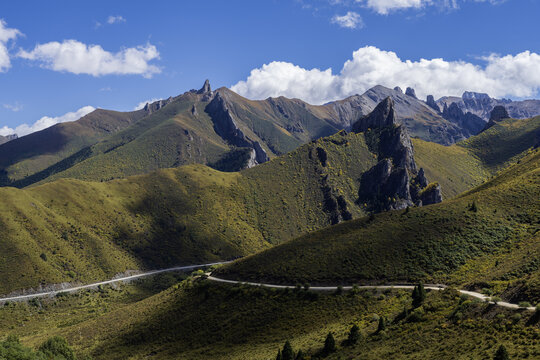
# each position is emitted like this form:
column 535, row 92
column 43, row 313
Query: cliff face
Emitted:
column 394, row 182
column 226, row 127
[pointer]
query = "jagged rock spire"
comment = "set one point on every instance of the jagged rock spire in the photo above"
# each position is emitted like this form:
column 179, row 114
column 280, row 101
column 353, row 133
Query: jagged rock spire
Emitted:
column 206, row 88
column 410, row 91
column 430, row 101
column 382, row 116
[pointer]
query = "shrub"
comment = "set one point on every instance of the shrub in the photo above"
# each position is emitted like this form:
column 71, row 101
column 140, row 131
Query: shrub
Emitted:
column 43, row 256
column 57, row 346
column 354, row 335
column 525, row 304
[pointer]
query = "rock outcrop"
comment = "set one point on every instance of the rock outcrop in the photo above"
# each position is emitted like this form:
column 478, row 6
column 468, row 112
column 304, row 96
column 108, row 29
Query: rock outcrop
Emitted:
column 497, row 114
column 394, row 182
column 410, row 91
column 382, row 116
column 470, row 123
column 226, row 127
column 156, row 105
column 430, row 101
column 397, row 88
column 7, row 138
column 206, row 88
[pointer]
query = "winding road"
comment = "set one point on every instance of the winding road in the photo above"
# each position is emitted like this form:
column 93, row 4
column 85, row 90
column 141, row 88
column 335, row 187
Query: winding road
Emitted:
column 70, row 289
column 112, row 281
column 408, row 287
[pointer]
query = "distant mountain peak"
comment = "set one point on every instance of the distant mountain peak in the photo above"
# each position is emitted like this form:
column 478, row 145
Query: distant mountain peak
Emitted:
column 206, row 88
column 470, row 95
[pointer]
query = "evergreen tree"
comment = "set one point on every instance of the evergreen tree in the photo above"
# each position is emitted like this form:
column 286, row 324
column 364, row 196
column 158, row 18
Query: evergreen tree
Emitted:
column 299, row 355
column 287, row 353
column 382, row 324
column 354, row 335
column 329, row 344
column 418, row 295
column 501, row 354
column 279, row 357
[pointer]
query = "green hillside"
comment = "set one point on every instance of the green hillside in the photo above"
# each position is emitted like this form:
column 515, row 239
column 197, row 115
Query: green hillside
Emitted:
column 36, row 152
column 93, row 230
column 204, row 320
column 494, row 225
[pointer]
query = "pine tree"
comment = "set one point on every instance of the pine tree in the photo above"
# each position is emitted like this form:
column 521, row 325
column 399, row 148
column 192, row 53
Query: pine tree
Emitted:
column 329, row 344
column 382, row 324
column 287, row 353
column 354, row 335
column 279, row 357
column 418, row 295
column 501, row 354
column 299, row 355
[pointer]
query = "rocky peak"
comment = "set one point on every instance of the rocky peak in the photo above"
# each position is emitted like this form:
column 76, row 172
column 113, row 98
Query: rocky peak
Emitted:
column 226, row 126
column 498, row 113
column 398, row 89
column 206, row 88
column 430, row 101
column 410, row 91
column 395, row 182
column 469, row 95
column 383, row 115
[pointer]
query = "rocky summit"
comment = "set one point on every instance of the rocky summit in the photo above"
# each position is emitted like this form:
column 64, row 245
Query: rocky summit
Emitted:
column 395, row 181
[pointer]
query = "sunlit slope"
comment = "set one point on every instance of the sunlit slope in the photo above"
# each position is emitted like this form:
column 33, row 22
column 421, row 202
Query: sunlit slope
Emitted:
column 432, row 243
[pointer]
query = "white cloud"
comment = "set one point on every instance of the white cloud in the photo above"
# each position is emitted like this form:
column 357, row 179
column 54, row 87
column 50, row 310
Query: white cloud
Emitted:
column 6, row 35
column 45, row 122
column 143, row 103
column 78, row 58
column 13, row 107
column 385, row 6
column 116, row 19
column 351, row 20
column 510, row 76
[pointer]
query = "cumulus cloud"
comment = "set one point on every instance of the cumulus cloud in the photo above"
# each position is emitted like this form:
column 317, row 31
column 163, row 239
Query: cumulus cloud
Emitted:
column 351, row 20
column 45, row 122
column 143, row 103
column 509, row 76
column 6, row 35
column 79, row 58
column 385, row 6
column 115, row 19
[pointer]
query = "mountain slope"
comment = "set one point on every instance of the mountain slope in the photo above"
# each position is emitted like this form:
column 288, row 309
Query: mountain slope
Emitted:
column 217, row 128
column 91, row 230
column 432, row 243
column 35, row 152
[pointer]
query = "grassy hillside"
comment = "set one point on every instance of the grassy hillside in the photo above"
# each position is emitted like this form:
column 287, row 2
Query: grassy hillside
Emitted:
column 35, row 152
column 446, row 242
column 204, row 320
column 71, row 230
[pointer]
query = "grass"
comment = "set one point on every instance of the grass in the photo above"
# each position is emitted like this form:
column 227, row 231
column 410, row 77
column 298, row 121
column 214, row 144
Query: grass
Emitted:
column 205, row 320
column 445, row 242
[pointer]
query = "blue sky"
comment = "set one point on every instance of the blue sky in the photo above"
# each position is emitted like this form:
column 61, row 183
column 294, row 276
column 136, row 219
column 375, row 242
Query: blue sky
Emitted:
column 67, row 57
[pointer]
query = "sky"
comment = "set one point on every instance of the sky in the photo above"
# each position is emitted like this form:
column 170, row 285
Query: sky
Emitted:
column 61, row 59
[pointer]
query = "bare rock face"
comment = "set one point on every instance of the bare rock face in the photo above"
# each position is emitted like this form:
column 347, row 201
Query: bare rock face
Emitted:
column 394, row 182
column 430, row 101
column 382, row 116
column 470, row 123
column 206, row 88
column 410, row 91
column 226, row 127
column 497, row 114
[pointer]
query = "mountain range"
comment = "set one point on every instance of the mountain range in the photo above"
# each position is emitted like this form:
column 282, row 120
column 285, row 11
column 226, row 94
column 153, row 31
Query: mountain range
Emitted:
column 220, row 129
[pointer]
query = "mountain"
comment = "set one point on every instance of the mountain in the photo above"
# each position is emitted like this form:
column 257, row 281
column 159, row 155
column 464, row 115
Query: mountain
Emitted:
column 216, row 128
column 493, row 226
column 5, row 139
column 191, row 214
column 30, row 154
column 481, row 105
